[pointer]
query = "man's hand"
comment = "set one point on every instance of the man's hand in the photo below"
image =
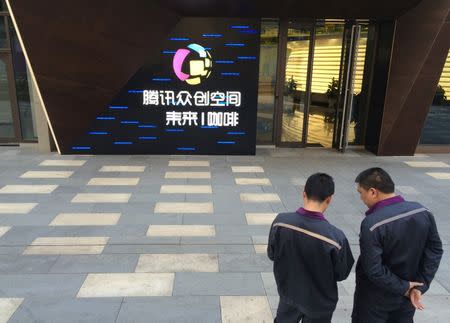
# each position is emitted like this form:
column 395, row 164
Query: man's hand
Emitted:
column 415, row 296
column 411, row 286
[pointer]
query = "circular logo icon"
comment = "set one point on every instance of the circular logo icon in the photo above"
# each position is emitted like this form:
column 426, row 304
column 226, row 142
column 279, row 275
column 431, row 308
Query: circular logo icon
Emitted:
column 192, row 64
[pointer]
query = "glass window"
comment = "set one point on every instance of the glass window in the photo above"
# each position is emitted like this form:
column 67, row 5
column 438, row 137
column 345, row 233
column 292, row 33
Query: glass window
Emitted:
column 437, row 126
column 3, row 6
column 294, row 93
column 267, row 79
column 22, row 91
column 6, row 117
column 3, row 39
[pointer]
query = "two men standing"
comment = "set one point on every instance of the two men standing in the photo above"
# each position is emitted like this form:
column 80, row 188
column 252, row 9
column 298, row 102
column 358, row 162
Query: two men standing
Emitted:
column 400, row 254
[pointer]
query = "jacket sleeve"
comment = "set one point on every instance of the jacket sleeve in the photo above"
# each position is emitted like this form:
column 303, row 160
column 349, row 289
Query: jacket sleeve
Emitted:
column 431, row 257
column 272, row 243
column 343, row 261
column 372, row 264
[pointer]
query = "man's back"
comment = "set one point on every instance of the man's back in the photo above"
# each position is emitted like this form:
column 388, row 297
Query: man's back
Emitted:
column 309, row 256
column 405, row 237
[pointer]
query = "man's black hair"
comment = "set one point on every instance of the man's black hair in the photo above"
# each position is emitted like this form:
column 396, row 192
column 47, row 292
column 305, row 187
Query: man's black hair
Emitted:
column 377, row 178
column 319, row 186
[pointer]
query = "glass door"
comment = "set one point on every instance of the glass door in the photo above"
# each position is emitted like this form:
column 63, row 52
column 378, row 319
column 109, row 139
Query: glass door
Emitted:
column 8, row 119
column 293, row 80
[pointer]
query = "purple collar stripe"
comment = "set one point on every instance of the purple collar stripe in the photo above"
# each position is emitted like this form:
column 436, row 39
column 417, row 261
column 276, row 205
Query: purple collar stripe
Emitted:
column 383, row 203
column 311, row 214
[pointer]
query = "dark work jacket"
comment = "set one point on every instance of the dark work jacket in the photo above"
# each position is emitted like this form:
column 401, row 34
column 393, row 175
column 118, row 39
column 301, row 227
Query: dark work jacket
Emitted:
column 399, row 243
column 310, row 255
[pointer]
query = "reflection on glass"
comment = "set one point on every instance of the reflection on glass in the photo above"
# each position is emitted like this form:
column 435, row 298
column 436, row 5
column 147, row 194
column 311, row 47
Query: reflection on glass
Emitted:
column 325, row 83
column 3, row 6
column 6, row 119
column 267, row 78
column 295, row 83
column 23, row 95
column 356, row 131
column 3, row 40
column 437, row 130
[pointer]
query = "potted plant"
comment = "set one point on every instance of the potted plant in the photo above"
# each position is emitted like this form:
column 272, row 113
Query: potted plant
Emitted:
column 332, row 92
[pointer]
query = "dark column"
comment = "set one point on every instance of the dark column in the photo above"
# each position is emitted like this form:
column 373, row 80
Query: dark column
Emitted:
column 421, row 43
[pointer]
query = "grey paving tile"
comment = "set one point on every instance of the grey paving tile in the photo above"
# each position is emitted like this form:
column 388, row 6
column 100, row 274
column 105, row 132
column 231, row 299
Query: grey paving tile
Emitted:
column 41, row 285
column 70, row 310
column 114, row 263
column 193, row 309
column 244, row 263
column 249, row 284
column 30, row 264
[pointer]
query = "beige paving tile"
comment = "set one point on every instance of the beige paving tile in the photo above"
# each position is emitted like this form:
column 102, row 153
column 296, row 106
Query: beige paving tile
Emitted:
column 85, row 219
column 260, row 218
column 46, row 174
column 70, row 241
column 260, row 197
column 181, row 231
column 168, row 263
column 253, row 181
column 16, row 208
column 439, row 175
column 186, row 189
column 187, row 175
column 115, row 181
column 184, row 207
column 127, row 285
column 61, row 162
column 247, row 169
column 260, row 248
column 101, row 198
column 28, row 189
column 119, row 168
column 249, row 309
column 427, row 164
column 8, row 307
column 63, row 250
column 188, row 163
column 3, row 230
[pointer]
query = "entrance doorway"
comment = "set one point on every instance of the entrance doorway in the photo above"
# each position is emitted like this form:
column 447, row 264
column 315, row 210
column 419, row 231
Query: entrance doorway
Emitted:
column 319, row 83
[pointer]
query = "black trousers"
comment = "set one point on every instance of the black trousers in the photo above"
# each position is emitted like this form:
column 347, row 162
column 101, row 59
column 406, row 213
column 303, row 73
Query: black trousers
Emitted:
column 290, row 314
column 373, row 312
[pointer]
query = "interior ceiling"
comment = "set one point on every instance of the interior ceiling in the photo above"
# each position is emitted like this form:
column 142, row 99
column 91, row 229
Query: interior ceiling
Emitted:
column 378, row 9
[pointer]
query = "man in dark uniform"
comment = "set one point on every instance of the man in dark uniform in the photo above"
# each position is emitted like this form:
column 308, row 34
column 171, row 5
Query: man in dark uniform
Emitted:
column 310, row 255
column 400, row 253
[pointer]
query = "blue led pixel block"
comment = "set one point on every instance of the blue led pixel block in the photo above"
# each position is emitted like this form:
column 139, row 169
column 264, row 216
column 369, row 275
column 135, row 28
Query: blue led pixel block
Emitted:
column 123, row 143
column 146, row 126
column 240, row 27
column 209, row 127
column 247, row 58
column 169, row 52
column 147, row 138
column 129, row 122
column 224, row 62
column 186, row 148
column 135, row 91
column 174, row 130
column 81, row 148
column 118, row 107
column 230, row 74
column 98, row 133
column 106, row 118
column 236, row 133
column 226, row 142
column 161, row 79
column 212, row 35
column 235, row 45
column 179, row 38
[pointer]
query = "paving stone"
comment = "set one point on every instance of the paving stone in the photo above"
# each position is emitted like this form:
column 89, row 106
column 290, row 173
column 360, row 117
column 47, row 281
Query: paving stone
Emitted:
column 28, row 189
column 189, row 163
column 76, row 219
column 70, row 310
column 427, row 164
column 61, row 162
column 237, row 309
column 47, row 174
column 117, row 263
column 186, row 189
column 188, row 309
column 3, row 230
column 260, row 197
column 260, row 218
column 436, row 175
column 16, row 208
column 184, row 207
column 127, row 285
column 252, row 181
column 186, row 175
column 198, row 284
column 247, row 169
column 101, row 198
column 244, row 263
column 7, row 307
column 166, row 263
column 181, row 230
column 122, row 169
column 119, row 181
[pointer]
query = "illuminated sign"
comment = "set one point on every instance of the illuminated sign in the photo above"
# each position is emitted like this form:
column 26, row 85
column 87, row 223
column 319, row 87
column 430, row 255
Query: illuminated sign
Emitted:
column 197, row 94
